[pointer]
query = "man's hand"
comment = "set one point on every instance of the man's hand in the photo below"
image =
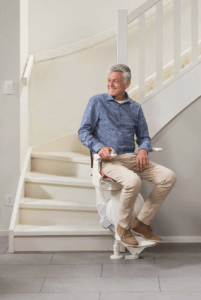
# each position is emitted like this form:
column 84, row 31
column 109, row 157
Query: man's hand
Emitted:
column 104, row 152
column 142, row 160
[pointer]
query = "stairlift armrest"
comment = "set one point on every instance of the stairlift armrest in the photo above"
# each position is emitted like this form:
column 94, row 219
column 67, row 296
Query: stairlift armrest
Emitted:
column 156, row 149
column 97, row 156
column 97, row 175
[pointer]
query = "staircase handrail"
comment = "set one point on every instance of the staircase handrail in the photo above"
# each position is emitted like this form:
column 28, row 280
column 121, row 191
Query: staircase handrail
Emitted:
column 122, row 41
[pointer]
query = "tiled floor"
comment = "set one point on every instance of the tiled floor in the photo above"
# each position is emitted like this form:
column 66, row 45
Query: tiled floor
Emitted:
column 165, row 272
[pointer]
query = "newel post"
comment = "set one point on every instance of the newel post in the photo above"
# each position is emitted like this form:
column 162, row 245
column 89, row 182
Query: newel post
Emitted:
column 122, row 37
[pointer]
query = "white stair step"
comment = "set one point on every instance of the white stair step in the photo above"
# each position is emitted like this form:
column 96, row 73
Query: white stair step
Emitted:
column 62, row 238
column 61, row 164
column 57, row 217
column 59, row 180
column 32, row 230
column 63, row 243
column 63, row 156
column 84, row 194
column 56, row 204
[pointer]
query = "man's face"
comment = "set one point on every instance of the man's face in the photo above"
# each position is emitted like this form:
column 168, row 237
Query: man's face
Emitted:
column 116, row 86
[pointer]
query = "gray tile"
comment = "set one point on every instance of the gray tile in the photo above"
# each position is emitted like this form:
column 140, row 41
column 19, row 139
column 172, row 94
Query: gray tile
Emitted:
column 177, row 249
column 166, row 267
column 15, row 285
column 4, row 240
column 3, row 248
column 95, row 258
column 178, row 284
column 122, row 270
column 149, row 296
column 50, row 271
column 100, row 284
column 51, row 296
column 25, row 258
column 178, row 260
column 178, row 266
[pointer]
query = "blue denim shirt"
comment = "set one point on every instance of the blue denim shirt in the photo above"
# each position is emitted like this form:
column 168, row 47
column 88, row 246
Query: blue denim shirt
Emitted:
column 108, row 123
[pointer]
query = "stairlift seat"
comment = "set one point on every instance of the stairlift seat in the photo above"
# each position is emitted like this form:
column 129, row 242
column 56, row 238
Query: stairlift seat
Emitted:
column 108, row 200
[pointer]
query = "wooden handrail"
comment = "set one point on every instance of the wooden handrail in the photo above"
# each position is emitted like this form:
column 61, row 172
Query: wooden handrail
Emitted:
column 28, row 70
column 141, row 10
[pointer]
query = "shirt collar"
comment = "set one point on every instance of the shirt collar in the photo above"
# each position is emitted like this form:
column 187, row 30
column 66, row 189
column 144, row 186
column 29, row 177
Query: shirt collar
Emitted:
column 109, row 97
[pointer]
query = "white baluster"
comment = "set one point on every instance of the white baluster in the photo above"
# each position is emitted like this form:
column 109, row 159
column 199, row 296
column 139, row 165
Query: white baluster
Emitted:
column 159, row 44
column 194, row 30
column 141, row 57
column 177, row 37
column 122, row 37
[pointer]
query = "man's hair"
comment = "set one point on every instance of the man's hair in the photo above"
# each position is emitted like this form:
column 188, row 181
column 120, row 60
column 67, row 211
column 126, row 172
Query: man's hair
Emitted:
column 121, row 68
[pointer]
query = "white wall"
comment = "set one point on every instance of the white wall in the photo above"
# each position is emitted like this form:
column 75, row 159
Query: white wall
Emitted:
column 60, row 88
column 10, row 106
column 13, row 56
column 180, row 140
column 57, row 23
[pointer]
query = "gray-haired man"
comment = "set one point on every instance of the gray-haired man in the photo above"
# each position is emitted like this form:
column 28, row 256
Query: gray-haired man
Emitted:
column 109, row 123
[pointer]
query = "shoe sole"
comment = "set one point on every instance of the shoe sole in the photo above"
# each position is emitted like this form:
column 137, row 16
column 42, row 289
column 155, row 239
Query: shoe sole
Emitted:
column 137, row 233
column 127, row 245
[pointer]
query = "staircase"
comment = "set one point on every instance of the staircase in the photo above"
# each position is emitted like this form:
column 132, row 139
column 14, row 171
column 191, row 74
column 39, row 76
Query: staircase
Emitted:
column 57, row 210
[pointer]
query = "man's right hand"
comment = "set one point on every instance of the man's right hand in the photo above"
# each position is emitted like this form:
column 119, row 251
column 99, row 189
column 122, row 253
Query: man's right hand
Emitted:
column 104, row 152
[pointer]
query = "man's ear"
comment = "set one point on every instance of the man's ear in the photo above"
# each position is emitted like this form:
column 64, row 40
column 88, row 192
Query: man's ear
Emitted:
column 127, row 84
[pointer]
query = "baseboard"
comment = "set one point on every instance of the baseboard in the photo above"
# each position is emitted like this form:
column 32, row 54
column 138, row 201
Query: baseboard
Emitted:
column 166, row 239
column 4, row 232
column 181, row 239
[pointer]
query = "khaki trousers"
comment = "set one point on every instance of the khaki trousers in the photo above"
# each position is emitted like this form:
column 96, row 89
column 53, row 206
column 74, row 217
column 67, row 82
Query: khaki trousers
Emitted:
column 122, row 169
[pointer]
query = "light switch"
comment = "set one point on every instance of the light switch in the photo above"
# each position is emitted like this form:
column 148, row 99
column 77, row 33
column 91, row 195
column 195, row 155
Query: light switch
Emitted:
column 8, row 87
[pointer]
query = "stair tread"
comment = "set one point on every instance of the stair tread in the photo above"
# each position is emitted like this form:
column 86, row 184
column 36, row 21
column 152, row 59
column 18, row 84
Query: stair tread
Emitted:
column 55, row 204
column 23, row 230
column 49, row 178
column 66, row 156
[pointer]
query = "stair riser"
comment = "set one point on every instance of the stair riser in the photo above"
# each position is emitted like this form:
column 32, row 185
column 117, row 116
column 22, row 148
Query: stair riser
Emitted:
column 65, row 243
column 60, row 168
column 58, row 217
column 60, row 192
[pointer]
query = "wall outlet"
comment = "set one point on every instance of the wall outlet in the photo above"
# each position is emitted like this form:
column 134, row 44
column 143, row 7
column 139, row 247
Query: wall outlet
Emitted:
column 9, row 201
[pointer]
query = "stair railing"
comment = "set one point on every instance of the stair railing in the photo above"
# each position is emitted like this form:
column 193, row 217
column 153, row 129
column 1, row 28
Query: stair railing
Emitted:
column 122, row 43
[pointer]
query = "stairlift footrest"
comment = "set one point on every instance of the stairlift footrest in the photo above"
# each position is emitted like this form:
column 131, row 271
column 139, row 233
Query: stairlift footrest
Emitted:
column 135, row 252
column 136, row 256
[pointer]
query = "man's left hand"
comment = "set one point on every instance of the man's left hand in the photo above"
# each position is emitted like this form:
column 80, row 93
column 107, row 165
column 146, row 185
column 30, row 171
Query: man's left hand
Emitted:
column 142, row 160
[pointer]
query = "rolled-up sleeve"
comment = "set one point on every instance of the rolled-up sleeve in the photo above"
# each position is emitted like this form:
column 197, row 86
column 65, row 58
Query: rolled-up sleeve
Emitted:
column 89, row 121
column 143, row 139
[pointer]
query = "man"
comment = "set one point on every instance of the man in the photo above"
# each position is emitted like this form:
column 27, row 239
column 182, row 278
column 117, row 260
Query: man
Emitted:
column 109, row 123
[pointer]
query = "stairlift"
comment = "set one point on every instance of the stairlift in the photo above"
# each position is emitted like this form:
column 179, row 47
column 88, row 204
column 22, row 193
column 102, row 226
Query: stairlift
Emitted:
column 108, row 200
